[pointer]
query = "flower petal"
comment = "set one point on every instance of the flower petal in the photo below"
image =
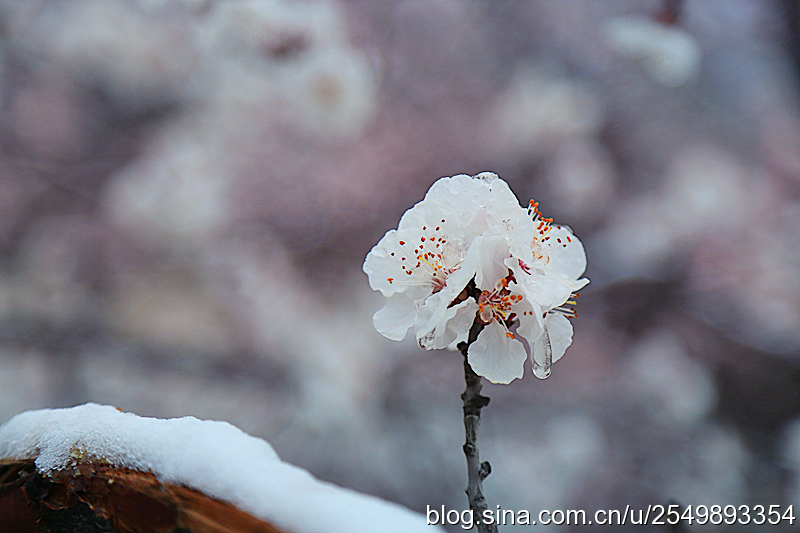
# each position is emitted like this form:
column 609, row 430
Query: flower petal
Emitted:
column 530, row 321
column 460, row 194
column 567, row 258
column 460, row 324
column 546, row 290
column 521, row 231
column 409, row 257
column 459, row 279
column 495, row 356
column 394, row 319
column 490, row 269
column 379, row 265
column 455, row 322
column 385, row 269
column 430, row 316
column 484, row 195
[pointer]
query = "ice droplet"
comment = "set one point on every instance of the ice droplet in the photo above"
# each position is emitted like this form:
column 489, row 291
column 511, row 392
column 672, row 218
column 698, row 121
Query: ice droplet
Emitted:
column 486, row 177
column 543, row 371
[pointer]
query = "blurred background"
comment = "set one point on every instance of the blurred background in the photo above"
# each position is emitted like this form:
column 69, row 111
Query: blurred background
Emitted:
column 188, row 189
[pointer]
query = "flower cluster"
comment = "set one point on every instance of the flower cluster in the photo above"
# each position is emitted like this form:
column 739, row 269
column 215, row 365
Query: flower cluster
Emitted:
column 469, row 253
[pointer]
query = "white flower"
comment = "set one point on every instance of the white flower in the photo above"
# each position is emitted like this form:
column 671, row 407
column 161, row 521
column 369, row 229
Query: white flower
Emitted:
column 468, row 252
column 425, row 264
column 497, row 354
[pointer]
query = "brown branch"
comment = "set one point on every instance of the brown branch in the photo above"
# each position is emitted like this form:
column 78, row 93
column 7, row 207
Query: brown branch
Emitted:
column 473, row 403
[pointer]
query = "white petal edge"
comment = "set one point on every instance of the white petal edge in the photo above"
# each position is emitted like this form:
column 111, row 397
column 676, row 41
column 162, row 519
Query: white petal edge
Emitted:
column 457, row 322
column 393, row 320
column 495, row 356
column 567, row 259
column 491, row 267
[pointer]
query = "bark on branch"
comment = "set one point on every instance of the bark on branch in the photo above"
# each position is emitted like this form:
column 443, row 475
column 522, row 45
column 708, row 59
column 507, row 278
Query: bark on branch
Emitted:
column 473, row 403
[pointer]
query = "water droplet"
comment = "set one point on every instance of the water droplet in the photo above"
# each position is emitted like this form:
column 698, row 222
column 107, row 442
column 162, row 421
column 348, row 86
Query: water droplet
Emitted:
column 543, row 371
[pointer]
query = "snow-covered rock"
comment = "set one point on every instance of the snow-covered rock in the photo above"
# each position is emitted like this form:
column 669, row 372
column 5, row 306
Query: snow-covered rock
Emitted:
column 212, row 457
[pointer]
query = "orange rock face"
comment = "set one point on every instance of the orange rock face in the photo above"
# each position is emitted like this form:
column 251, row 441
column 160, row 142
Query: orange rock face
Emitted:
column 106, row 499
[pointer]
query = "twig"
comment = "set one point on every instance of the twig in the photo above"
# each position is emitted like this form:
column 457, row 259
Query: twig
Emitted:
column 473, row 403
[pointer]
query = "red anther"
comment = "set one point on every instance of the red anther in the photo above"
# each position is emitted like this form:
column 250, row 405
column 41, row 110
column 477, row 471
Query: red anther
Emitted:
column 392, row 254
column 422, row 239
column 568, row 239
column 390, row 280
column 437, row 228
column 402, row 243
column 510, row 335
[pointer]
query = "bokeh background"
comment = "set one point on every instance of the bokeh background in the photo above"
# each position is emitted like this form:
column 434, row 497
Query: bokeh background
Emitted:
column 188, row 189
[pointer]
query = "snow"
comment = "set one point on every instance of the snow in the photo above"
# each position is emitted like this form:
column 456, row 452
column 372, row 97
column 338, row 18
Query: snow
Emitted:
column 213, row 457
